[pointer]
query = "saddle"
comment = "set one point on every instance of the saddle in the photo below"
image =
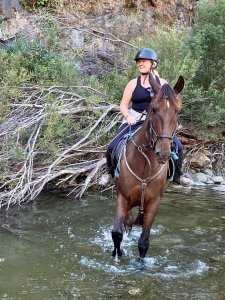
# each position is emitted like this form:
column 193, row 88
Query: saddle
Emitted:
column 118, row 150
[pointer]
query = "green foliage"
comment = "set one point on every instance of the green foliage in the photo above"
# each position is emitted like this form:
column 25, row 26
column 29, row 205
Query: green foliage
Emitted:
column 208, row 47
column 55, row 130
column 50, row 29
column 42, row 3
column 16, row 153
column 208, row 44
column 4, row 110
column 34, row 62
column 114, row 85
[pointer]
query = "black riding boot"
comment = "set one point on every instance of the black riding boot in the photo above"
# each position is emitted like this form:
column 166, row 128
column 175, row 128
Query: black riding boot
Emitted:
column 178, row 168
column 109, row 164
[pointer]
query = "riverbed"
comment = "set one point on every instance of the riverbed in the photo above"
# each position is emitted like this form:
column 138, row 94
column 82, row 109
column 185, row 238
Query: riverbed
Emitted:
column 60, row 248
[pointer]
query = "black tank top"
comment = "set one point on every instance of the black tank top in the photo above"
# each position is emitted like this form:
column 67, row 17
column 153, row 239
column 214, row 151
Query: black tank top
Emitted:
column 141, row 96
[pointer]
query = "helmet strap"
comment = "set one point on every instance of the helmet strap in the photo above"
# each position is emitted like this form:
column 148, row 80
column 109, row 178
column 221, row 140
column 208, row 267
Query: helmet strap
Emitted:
column 147, row 72
column 146, row 76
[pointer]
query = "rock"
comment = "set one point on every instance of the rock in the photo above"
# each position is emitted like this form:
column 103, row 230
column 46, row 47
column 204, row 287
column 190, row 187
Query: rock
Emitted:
column 77, row 37
column 104, row 180
column 208, row 172
column 185, row 181
column 8, row 8
column 217, row 179
column 199, row 160
column 200, row 177
column 134, row 291
column 199, row 183
column 209, row 181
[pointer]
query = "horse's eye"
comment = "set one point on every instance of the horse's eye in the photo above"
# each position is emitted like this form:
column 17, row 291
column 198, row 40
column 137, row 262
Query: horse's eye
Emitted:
column 154, row 110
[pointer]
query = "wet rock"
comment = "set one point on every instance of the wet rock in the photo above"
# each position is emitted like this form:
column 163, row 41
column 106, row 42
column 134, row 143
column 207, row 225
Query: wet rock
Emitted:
column 199, row 160
column 104, row 180
column 217, row 179
column 209, row 181
column 208, row 171
column 134, row 291
column 200, row 177
column 199, row 183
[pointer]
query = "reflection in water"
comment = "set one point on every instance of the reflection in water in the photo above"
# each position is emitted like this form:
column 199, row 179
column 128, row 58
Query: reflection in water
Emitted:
column 58, row 248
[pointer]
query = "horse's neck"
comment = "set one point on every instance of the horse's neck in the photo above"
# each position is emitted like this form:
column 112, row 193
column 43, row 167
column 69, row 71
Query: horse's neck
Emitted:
column 140, row 155
column 142, row 137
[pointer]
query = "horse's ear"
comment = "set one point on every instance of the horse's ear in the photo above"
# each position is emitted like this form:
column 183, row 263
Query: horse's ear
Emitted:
column 179, row 85
column 155, row 86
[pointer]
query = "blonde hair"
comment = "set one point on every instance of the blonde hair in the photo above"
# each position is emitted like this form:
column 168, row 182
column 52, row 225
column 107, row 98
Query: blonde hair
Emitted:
column 154, row 64
column 155, row 72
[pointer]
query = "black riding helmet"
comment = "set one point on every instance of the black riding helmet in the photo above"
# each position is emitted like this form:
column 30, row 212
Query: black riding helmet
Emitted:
column 146, row 53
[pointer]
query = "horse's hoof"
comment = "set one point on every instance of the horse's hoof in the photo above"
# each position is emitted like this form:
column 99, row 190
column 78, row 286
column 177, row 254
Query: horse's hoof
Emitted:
column 141, row 260
column 114, row 253
column 120, row 253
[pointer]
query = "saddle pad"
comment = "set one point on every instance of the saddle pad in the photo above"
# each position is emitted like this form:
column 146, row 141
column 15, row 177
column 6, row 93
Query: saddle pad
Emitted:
column 119, row 148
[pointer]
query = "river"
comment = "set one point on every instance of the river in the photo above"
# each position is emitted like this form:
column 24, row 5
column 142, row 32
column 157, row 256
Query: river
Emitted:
column 60, row 248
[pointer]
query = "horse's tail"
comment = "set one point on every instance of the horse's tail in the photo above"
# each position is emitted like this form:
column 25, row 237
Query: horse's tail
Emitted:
column 139, row 219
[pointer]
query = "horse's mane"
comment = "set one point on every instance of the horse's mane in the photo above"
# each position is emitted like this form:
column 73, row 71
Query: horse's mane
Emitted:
column 166, row 92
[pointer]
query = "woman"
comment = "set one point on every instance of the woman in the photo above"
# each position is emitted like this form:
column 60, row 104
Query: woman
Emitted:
column 138, row 92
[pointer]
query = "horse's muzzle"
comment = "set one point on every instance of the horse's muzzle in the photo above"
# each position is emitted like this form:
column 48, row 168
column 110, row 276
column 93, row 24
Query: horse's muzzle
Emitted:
column 162, row 156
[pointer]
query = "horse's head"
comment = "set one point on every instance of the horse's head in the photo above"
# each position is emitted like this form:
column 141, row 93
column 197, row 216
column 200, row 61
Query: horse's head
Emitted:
column 163, row 113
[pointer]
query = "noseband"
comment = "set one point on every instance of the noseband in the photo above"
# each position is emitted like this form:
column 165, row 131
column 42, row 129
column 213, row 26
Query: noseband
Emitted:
column 154, row 137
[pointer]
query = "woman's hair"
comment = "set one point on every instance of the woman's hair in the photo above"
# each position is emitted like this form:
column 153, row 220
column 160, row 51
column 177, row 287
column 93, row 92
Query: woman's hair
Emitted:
column 155, row 72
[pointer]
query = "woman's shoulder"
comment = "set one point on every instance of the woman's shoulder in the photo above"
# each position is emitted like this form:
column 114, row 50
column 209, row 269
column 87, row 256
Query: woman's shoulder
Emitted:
column 162, row 81
column 132, row 83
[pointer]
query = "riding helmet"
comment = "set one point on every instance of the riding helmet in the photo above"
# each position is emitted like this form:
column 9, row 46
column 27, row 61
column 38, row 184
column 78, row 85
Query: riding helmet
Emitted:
column 146, row 53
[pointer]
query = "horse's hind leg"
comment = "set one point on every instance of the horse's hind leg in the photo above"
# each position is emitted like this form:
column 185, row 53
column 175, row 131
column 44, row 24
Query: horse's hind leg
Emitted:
column 129, row 221
column 118, row 228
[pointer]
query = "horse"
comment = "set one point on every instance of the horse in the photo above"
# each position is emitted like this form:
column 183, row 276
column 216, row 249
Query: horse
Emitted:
column 143, row 176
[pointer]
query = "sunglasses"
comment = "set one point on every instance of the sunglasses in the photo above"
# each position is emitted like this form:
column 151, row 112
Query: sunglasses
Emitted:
column 151, row 92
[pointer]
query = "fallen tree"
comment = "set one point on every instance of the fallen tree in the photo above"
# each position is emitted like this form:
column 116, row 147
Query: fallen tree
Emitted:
column 78, row 164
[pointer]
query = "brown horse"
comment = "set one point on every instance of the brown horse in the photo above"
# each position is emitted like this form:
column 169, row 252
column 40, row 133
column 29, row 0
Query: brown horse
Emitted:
column 144, row 166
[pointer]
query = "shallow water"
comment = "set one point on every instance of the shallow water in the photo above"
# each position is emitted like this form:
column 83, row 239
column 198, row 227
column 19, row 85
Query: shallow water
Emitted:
column 60, row 248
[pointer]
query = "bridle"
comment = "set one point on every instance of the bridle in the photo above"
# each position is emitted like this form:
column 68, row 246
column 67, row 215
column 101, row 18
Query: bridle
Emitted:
column 154, row 137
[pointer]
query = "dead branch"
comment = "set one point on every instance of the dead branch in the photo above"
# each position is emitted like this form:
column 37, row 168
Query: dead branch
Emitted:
column 76, row 166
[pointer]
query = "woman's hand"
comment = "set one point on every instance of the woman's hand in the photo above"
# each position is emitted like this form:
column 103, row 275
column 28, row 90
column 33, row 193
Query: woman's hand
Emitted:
column 131, row 120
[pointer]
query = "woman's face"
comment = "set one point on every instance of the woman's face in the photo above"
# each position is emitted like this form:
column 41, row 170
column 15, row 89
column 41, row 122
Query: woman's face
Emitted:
column 144, row 65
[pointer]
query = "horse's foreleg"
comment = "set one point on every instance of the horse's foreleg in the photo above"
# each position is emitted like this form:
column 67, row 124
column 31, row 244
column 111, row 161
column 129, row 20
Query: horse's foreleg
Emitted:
column 118, row 228
column 149, row 216
column 143, row 242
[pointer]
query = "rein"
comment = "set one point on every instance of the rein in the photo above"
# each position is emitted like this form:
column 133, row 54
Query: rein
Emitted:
column 144, row 182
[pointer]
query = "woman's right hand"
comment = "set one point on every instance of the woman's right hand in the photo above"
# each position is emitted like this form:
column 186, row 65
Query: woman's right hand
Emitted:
column 131, row 120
